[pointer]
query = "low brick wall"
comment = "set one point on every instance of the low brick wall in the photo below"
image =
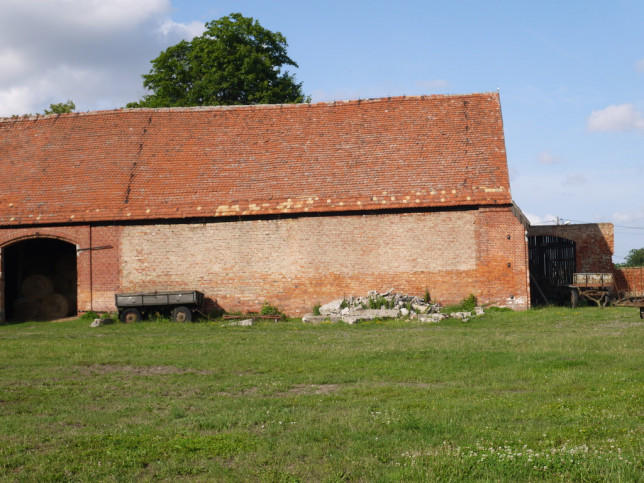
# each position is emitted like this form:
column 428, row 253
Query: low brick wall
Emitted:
column 630, row 280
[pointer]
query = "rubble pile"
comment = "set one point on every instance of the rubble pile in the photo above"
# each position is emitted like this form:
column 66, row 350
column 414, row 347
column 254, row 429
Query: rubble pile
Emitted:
column 384, row 305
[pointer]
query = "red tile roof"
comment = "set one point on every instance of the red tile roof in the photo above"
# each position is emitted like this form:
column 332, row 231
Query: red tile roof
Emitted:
column 145, row 164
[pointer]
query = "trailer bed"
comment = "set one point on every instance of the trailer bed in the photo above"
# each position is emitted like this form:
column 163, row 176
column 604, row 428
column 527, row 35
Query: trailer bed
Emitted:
column 153, row 299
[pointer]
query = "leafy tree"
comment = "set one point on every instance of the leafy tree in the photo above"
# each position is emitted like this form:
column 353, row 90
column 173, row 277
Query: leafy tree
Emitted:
column 635, row 258
column 61, row 108
column 235, row 61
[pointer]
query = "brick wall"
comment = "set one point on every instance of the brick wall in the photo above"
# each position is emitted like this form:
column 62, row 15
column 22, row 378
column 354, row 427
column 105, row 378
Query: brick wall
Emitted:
column 502, row 273
column 630, row 280
column 297, row 262
column 595, row 243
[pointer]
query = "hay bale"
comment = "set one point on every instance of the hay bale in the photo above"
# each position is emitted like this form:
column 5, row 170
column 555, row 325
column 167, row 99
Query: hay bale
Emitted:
column 36, row 286
column 54, row 306
column 25, row 309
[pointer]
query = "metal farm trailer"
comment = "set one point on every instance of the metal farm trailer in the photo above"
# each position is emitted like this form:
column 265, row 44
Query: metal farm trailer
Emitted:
column 179, row 305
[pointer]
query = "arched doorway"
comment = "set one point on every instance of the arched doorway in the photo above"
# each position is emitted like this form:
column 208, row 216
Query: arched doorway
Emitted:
column 552, row 263
column 40, row 279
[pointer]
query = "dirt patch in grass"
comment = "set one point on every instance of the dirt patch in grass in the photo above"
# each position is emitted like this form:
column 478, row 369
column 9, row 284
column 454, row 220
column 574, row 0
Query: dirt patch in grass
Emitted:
column 138, row 370
column 618, row 324
column 317, row 389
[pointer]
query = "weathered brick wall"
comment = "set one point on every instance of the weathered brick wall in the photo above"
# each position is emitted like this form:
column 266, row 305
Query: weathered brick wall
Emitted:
column 297, row 262
column 103, row 265
column 595, row 243
column 630, row 280
column 502, row 259
column 97, row 270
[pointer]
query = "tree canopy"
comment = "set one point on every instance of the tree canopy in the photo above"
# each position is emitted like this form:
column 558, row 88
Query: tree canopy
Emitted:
column 61, row 108
column 235, row 61
column 635, row 258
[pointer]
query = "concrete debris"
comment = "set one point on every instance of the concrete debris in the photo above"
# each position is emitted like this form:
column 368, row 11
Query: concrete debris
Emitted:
column 99, row 322
column 240, row 323
column 331, row 308
column 387, row 304
column 370, row 314
column 318, row 319
column 431, row 318
column 460, row 315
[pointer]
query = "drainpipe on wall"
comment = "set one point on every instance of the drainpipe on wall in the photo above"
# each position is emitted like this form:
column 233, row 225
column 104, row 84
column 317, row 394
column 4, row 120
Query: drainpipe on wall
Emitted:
column 91, row 273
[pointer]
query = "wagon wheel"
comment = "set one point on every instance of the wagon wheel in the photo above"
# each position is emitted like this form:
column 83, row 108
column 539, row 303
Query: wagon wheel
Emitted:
column 181, row 314
column 574, row 298
column 130, row 316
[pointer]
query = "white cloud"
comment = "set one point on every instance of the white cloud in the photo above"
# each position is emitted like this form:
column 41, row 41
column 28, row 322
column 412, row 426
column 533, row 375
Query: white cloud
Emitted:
column 90, row 51
column 86, row 15
column 628, row 217
column 546, row 158
column 541, row 220
column 623, row 117
column 187, row 31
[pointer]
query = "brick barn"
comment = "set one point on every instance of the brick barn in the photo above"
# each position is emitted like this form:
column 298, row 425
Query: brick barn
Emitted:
column 290, row 204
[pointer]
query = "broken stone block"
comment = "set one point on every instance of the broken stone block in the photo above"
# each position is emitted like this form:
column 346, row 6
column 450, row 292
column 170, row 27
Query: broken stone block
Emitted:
column 479, row 310
column 240, row 323
column 432, row 318
column 331, row 308
column 369, row 314
column 420, row 308
column 317, row 319
column 404, row 312
column 100, row 322
column 461, row 315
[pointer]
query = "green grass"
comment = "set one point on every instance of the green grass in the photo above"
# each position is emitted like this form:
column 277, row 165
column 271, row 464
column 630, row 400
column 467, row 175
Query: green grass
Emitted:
column 550, row 395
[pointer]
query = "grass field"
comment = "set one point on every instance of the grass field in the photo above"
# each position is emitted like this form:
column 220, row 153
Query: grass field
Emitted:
column 553, row 394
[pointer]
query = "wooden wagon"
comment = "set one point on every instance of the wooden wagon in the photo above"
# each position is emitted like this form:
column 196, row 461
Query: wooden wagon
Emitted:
column 602, row 289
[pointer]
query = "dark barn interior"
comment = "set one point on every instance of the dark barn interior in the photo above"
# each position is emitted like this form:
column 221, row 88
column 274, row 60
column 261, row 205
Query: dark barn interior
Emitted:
column 40, row 279
column 552, row 263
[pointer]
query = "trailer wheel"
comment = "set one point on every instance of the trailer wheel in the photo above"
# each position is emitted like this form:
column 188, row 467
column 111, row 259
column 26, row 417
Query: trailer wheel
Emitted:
column 574, row 298
column 181, row 314
column 130, row 316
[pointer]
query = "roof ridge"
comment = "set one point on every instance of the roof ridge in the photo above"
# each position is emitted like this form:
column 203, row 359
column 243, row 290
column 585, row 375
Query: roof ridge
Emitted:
column 344, row 102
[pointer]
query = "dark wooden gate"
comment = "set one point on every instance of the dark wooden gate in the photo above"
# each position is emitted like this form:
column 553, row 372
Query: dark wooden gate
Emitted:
column 552, row 263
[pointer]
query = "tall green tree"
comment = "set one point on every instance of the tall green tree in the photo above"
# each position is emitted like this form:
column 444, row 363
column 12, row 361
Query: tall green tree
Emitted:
column 235, row 61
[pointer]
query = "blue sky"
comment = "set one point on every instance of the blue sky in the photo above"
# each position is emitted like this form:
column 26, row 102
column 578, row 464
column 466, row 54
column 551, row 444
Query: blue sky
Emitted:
column 570, row 74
